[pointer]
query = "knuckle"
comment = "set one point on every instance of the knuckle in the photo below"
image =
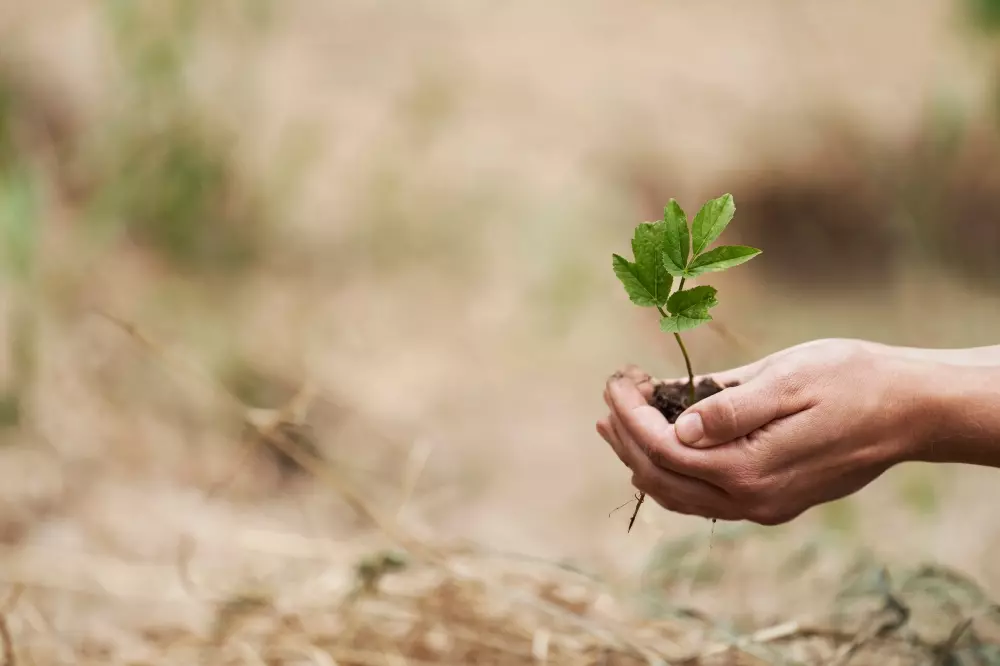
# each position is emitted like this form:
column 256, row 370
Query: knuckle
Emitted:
column 790, row 380
column 838, row 352
column 852, row 349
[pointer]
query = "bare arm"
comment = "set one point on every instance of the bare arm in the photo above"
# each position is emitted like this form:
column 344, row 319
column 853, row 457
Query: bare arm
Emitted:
column 961, row 410
column 977, row 356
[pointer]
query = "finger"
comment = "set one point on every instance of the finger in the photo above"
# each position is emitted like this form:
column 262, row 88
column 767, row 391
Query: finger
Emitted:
column 636, row 374
column 735, row 412
column 721, row 511
column 652, row 434
column 607, row 432
column 642, row 379
column 645, row 389
column 664, row 483
column 676, row 493
column 603, row 430
column 626, row 449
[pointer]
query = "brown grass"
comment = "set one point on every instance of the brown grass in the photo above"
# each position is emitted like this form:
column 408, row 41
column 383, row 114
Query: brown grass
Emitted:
column 431, row 603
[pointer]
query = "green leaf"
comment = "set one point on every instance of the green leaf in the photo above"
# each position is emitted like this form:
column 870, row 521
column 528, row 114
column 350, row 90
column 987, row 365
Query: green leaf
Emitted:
column 711, row 221
column 702, row 297
column 677, row 244
column 628, row 274
column 689, row 308
column 645, row 280
column 681, row 323
column 721, row 258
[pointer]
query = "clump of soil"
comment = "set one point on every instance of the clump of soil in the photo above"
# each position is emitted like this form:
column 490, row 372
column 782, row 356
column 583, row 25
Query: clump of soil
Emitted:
column 672, row 399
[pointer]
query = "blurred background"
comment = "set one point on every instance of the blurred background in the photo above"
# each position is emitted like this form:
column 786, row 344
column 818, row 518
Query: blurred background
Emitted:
column 408, row 209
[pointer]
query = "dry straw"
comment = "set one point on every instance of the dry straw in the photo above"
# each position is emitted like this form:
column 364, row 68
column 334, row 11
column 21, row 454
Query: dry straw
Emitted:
column 427, row 603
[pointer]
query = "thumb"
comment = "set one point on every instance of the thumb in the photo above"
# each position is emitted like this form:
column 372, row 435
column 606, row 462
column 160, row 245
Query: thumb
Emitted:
column 732, row 413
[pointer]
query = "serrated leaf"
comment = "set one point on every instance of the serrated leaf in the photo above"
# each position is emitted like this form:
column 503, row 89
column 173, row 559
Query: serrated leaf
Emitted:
column 681, row 323
column 628, row 274
column 677, row 242
column 646, row 280
column 689, row 308
column 696, row 298
column 711, row 221
column 721, row 258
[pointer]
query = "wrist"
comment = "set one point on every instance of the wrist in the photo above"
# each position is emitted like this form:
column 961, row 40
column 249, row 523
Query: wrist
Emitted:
column 914, row 404
column 956, row 415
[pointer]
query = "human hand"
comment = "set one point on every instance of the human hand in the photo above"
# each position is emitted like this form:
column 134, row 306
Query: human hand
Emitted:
column 807, row 425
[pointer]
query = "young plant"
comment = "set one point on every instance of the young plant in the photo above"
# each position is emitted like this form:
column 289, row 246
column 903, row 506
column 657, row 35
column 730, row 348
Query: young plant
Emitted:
column 668, row 250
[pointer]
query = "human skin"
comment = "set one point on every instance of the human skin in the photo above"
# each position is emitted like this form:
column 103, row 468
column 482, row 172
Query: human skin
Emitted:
column 806, row 425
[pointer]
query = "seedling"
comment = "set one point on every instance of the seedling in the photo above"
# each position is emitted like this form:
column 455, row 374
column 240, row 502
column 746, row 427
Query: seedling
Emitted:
column 672, row 249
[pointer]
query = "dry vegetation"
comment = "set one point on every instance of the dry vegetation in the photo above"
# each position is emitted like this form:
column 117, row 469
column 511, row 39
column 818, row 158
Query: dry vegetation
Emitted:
column 355, row 262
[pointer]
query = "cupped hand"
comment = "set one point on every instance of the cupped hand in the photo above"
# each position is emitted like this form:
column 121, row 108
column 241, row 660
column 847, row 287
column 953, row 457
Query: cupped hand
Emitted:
column 807, row 425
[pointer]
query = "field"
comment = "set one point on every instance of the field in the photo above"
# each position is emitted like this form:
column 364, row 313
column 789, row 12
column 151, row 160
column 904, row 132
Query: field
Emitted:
column 307, row 308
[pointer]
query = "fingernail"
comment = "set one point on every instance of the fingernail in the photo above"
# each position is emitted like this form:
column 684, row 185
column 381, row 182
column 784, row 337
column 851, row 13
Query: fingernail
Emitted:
column 690, row 428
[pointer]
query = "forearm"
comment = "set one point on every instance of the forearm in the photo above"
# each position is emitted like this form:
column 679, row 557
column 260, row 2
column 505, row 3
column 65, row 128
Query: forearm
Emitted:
column 959, row 409
column 971, row 356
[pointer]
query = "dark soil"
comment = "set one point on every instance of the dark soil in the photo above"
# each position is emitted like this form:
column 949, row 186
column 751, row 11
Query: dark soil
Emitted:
column 673, row 399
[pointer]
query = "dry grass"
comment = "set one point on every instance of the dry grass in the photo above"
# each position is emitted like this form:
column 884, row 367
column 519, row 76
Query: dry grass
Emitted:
column 293, row 600
column 464, row 605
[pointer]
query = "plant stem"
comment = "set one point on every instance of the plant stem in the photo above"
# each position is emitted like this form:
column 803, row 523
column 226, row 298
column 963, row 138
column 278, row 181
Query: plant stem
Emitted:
column 687, row 359
column 687, row 363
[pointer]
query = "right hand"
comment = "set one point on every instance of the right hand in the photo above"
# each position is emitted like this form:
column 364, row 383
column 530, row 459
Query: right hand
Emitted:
column 807, row 425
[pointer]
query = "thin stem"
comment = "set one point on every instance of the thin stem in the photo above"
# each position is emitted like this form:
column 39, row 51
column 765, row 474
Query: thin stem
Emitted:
column 687, row 362
column 687, row 359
